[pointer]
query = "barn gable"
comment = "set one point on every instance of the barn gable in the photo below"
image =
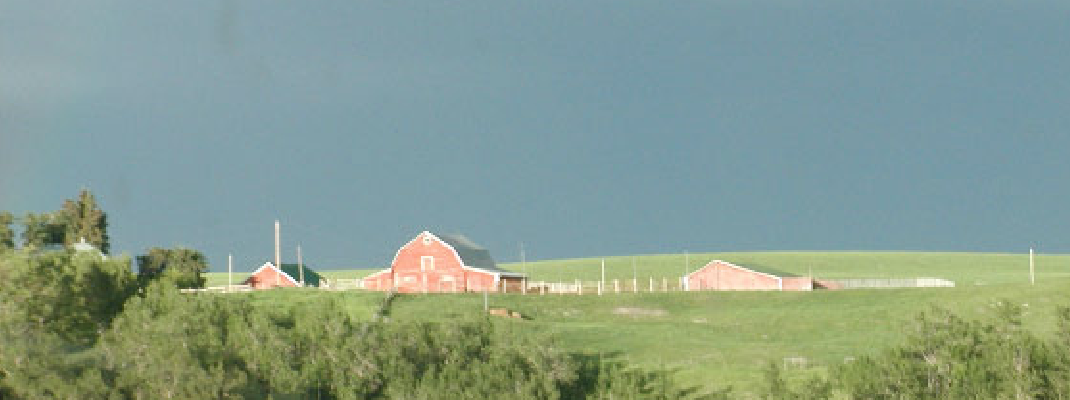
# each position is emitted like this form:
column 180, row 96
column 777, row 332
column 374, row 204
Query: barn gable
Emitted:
column 443, row 263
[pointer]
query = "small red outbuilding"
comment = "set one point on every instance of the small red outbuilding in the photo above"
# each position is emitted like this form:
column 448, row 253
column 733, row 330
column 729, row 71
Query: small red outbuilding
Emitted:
column 444, row 263
column 723, row 275
column 290, row 275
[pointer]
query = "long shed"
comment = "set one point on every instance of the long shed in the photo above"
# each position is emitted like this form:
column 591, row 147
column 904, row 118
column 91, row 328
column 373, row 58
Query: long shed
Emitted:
column 723, row 275
column 431, row 263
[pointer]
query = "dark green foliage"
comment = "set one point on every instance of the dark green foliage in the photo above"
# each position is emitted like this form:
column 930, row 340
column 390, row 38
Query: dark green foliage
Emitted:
column 67, row 294
column 776, row 387
column 44, row 229
column 65, row 337
column 950, row 357
column 184, row 267
column 83, row 219
column 7, row 234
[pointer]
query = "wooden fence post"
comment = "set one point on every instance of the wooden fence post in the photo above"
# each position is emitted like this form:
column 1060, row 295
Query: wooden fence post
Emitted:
column 616, row 285
column 635, row 285
column 579, row 287
column 665, row 284
column 652, row 284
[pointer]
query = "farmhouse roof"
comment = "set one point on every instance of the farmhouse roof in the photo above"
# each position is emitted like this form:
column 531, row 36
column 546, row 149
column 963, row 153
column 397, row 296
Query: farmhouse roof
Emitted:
column 472, row 254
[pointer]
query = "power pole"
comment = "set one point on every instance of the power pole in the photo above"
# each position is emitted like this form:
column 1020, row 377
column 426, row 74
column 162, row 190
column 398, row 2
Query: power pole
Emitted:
column 1032, row 276
column 278, row 256
column 687, row 266
column 524, row 269
column 230, row 271
column 603, row 272
column 300, row 267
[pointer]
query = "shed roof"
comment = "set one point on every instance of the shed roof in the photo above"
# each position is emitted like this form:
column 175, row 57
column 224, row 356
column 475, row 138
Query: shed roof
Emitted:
column 312, row 278
column 766, row 270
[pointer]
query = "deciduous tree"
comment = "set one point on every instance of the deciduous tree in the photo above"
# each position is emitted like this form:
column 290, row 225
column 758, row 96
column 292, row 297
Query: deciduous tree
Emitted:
column 183, row 266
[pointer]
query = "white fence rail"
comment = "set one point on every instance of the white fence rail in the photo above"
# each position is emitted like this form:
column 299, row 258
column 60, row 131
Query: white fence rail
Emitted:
column 878, row 283
column 220, row 289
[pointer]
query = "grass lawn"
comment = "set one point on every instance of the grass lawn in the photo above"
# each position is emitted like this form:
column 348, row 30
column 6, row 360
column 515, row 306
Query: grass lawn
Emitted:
column 715, row 339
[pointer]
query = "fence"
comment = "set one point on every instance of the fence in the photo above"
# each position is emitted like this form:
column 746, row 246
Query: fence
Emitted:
column 220, row 289
column 342, row 284
column 876, row 283
column 646, row 285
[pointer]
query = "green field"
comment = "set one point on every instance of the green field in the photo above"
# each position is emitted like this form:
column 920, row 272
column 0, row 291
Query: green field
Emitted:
column 715, row 339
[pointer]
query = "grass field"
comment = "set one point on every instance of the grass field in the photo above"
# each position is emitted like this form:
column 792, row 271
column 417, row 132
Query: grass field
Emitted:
column 715, row 339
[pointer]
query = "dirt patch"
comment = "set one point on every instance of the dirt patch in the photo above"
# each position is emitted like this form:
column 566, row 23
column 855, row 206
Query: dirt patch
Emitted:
column 640, row 312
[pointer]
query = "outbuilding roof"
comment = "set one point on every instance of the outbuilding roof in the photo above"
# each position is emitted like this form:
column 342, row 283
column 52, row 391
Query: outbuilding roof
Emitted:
column 312, row 278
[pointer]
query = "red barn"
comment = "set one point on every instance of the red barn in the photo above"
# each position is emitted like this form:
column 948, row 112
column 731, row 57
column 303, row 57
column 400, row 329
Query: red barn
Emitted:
column 444, row 263
column 723, row 275
column 268, row 276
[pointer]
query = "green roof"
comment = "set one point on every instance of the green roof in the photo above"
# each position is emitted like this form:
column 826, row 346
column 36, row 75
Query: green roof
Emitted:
column 312, row 278
column 766, row 270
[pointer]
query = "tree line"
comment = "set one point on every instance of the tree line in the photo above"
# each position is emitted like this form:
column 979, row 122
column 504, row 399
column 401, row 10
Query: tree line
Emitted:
column 81, row 219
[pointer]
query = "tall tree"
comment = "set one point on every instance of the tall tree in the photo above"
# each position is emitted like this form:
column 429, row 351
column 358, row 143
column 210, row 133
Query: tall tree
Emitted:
column 42, row 229
column 7, row 235
column 84, row 219
column 183, row 266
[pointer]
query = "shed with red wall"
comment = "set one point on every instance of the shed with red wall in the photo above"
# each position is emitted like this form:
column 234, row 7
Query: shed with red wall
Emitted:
column 723, row 275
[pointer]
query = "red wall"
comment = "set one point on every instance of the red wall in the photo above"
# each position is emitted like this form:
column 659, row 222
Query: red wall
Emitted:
column 266, row 279
column 799, row 283
column 447, row 275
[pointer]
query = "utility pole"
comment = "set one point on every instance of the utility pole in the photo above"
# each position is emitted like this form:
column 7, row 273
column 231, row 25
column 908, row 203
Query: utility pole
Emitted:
column 230, row 271
column 687, row 266
column 278, row 255
column 524, row 269
column 603, row 272
column 1032, row 276
column 300, row 267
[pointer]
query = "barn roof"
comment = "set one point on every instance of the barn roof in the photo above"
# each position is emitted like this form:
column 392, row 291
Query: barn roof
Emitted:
column 472, row 254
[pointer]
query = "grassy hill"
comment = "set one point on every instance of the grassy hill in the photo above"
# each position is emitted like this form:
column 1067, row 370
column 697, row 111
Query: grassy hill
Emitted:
column 714, row 339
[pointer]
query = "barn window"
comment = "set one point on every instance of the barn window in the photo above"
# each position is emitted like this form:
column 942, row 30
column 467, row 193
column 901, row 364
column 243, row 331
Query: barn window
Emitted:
column 427, row 240
column 427, row 263
column 409, row 279
column 447, row 278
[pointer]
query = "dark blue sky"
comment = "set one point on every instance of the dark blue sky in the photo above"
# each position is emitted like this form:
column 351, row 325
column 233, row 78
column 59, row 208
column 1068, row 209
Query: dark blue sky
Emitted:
column 579, row 128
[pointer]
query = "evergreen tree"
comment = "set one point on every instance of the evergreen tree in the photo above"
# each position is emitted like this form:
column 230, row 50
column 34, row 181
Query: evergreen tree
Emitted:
column 7, row 235
column 84, row 219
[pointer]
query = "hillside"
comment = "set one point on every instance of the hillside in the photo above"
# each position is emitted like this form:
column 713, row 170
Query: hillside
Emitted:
column 714, row 339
